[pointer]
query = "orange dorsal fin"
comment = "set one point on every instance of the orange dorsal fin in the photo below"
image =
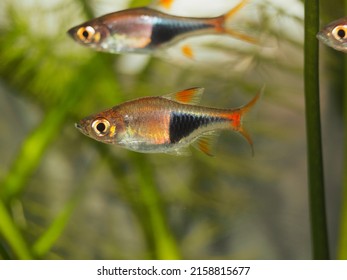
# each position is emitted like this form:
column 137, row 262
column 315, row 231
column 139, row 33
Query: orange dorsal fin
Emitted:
column 165, row 3
column 188, row 96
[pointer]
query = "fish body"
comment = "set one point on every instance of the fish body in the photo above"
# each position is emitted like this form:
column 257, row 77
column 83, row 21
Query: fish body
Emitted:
column 164, row 124
column 144, row 30
column 335, row 34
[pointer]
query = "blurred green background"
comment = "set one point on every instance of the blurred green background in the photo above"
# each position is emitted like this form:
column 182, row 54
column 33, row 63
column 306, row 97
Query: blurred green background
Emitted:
column 65, row 196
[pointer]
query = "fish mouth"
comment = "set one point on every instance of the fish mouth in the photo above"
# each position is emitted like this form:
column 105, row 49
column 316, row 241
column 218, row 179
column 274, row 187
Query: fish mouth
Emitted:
column 321, row 36
column 71, row 32
column 325, row 38
column 80, row 128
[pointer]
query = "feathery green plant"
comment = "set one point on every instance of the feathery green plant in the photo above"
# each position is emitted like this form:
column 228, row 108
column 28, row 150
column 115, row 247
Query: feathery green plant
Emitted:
column 30, row 156
column 66, row 85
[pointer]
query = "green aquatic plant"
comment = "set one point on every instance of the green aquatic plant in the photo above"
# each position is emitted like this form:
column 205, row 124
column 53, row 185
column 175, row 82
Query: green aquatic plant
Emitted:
column 342, row 242
column 334, row 63
column 36, row 144
column 66, row 196
column 320, row 248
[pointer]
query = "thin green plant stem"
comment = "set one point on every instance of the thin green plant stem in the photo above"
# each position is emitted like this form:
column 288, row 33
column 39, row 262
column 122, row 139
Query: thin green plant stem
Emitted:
column 165, row 246
column 342, row 241
column 87, row 9
column 144, row 198
column 46, row 241
column 36, row 144
column 31, row 153
column 12, row 235
column 319, row 235
column 139, row 3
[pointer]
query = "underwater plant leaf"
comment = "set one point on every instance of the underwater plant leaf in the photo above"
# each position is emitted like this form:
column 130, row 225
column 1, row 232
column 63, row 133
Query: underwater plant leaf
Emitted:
column 45, row 242
column 319, row 235
column 167, row 208
column 139, row 3
column 12, row 235
column 38, row 141
column 342, row 238
column 165, row 247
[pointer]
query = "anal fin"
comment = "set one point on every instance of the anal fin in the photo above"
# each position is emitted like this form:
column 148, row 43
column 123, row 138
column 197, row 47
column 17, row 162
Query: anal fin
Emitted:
column 206, row 143
column 187, row 51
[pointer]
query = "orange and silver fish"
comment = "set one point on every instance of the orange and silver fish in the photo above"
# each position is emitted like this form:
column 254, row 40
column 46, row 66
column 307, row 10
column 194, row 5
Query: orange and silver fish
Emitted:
column 165, row 124
column 144, row 30
column 335, row 34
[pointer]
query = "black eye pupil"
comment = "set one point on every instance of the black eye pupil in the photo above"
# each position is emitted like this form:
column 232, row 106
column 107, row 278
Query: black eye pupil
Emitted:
column 101, row 127
column 341, row 33
column 85, row 34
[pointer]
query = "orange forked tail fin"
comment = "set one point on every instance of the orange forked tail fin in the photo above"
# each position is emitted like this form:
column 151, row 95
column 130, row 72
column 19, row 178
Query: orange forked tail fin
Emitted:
column 232, row 32
column 235, row 9
column 236, row 118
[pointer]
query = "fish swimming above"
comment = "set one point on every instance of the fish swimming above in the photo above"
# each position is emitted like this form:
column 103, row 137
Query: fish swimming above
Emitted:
column 335, row 34
column 144, row 30
column 165, row 124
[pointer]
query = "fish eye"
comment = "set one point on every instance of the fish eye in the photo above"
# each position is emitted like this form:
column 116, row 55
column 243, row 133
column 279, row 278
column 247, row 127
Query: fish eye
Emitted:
column 86, row 34
column 101, row 126
column 340, row 32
